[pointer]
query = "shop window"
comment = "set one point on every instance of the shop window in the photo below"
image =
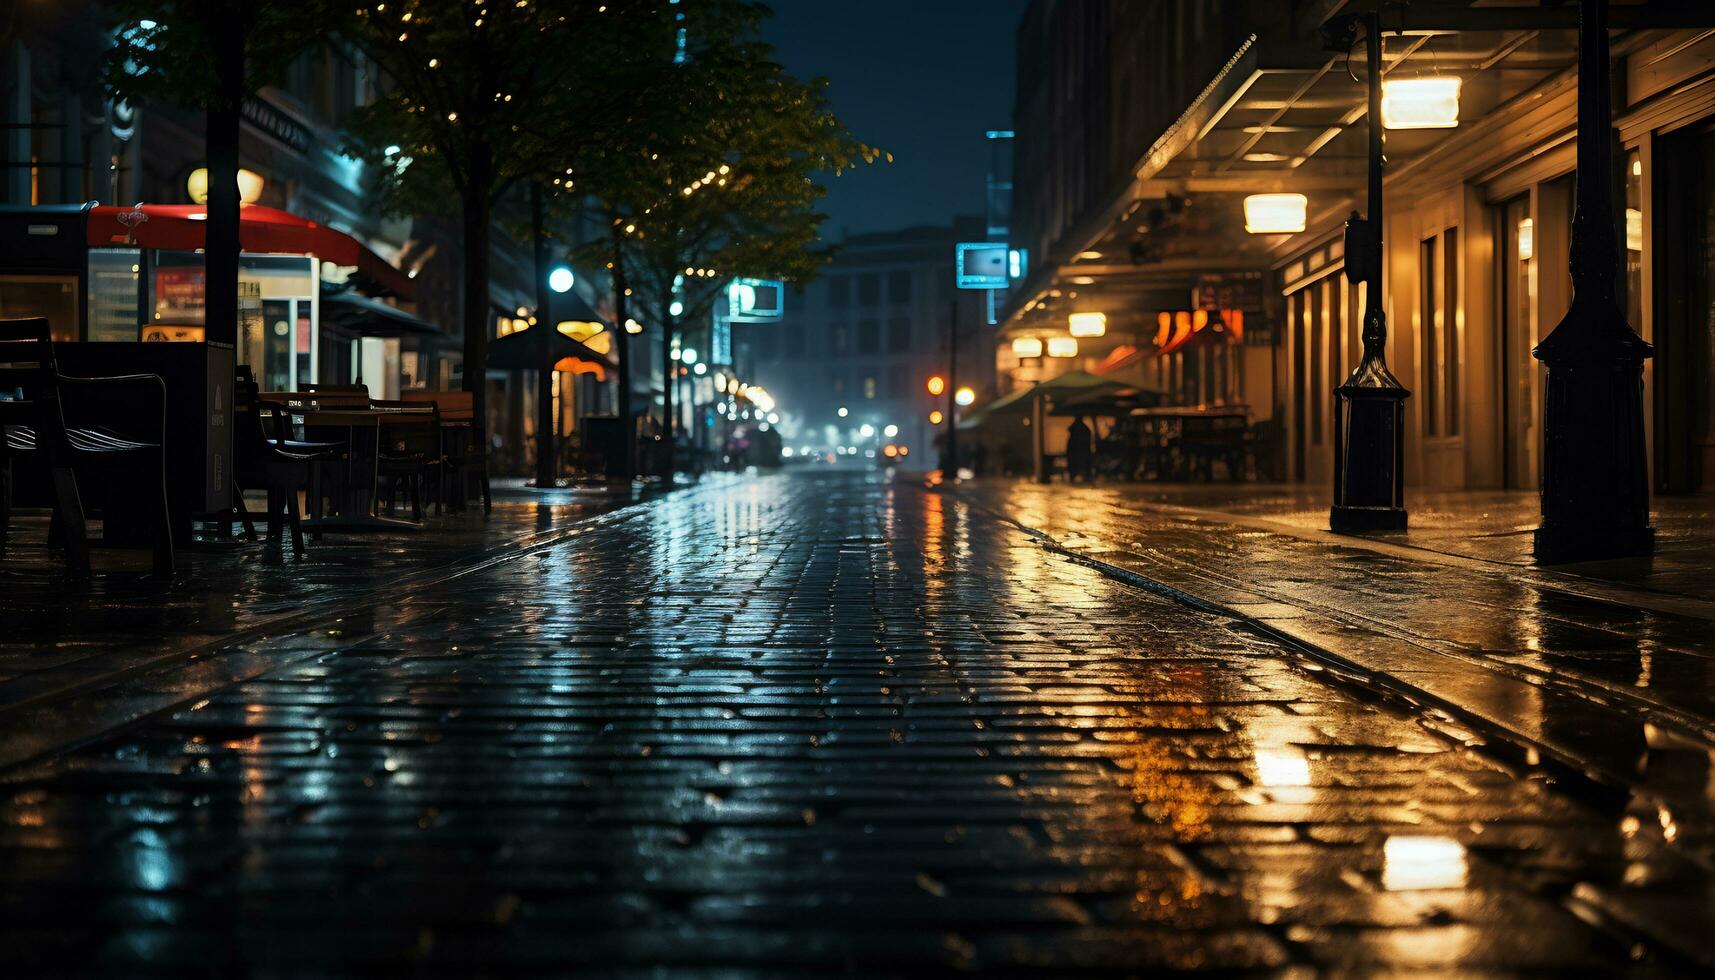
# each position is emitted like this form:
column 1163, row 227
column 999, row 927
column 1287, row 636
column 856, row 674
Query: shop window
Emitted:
column 115, row 276
column 1634, row 240
column 1438, row 297
column 838, row 341
column 54, row 297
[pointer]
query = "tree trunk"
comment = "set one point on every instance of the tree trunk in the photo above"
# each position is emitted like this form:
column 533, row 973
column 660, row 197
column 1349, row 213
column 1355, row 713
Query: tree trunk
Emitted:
column 221, row 244
column 547, row 470
column 622, row 342
column 477, row 211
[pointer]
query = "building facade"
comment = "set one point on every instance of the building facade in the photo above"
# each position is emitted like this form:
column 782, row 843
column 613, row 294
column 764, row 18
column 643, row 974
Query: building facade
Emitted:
column 67, row 143
column 1144, row 127
column 866, row 337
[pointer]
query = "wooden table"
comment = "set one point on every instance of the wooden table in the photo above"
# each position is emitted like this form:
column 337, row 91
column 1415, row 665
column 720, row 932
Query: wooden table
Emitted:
column 362, row 424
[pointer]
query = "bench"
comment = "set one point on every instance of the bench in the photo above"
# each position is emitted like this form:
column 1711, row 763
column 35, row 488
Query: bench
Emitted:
column 67, row 429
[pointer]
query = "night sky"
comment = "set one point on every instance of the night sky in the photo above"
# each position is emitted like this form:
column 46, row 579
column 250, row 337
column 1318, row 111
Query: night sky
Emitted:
column 923, row 79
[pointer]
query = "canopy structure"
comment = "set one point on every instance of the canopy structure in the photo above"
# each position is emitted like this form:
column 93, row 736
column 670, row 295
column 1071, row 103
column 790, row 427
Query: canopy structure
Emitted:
column 365, row 317
column 1019, row 401
column 521, row 351
column 183, row 227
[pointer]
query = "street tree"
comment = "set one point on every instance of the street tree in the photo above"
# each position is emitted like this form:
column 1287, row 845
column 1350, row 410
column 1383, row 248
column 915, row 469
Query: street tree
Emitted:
column 213, row 55
column 714, row 175
column 476, row 99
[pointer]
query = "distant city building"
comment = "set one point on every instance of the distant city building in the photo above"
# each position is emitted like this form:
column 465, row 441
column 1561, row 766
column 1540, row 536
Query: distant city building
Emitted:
column 866, row 336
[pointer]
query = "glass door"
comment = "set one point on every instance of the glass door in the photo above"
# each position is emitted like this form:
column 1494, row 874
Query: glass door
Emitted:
column 1516, row 278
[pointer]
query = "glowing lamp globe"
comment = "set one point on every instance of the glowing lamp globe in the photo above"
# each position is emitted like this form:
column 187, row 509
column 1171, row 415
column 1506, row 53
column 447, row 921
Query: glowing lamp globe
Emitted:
column 964, row 396
column 1420, row 103
column 561, row 279
column 1062, row 347
column 1275, row 214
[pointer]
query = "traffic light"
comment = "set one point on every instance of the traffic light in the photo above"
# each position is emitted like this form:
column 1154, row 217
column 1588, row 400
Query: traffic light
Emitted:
column 936, row 418
column 937, row 384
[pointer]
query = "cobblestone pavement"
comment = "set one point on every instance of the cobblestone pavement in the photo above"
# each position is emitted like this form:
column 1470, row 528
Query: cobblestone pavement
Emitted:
column 805, row 723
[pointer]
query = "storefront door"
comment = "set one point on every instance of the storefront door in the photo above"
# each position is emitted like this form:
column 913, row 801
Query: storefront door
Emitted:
column 1521, row 434
column 1685, row 323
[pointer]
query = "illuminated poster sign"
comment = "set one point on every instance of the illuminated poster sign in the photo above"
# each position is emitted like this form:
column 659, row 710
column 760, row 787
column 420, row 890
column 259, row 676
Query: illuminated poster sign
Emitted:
column 980, row 265
column 755, row 300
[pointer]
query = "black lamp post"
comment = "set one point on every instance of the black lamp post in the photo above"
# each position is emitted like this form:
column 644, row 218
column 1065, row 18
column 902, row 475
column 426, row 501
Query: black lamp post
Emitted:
column 1595, row 477
column 1369, row 408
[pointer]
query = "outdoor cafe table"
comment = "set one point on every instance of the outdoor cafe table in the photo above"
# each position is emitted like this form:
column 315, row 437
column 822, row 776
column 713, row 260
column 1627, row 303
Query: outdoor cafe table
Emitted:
column 1166, row 428
column 362, row 423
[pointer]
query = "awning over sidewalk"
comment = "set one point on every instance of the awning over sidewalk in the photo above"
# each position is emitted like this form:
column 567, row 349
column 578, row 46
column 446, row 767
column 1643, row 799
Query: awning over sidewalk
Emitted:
column 184, row 227
column 522, row 351
column 1019, row 401
column 365, row 317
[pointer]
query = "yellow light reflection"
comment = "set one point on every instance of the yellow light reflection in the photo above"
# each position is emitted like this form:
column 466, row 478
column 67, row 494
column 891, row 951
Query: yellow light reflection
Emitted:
column 1415, row 863
column 1282, row 767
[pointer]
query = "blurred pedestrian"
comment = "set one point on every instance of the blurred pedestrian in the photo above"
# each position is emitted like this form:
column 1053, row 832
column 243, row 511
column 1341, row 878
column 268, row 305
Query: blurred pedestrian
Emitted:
column 1080, row 450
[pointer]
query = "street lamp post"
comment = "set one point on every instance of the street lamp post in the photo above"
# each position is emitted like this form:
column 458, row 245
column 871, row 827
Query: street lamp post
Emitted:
column 1595, row 477
column 546, row 475
column 1369, row 407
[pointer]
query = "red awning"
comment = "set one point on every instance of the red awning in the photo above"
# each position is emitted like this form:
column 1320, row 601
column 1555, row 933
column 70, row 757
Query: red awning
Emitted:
column 183, row 227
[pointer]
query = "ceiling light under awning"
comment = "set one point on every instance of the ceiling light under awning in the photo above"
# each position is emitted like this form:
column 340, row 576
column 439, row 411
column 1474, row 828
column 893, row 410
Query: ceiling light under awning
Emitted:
column 1276, row 214
column 1027, row 346
column 1087, row 324
column 1421, row 103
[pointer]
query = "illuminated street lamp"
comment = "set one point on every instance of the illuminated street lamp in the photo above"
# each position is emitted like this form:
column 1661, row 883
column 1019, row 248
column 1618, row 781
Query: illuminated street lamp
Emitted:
column 1062, row 347
column 890, row 431
column 964, row 397
column 561, row 279
column 937, row 384
column 866, row 430
column 936, row 418
column 843, row 413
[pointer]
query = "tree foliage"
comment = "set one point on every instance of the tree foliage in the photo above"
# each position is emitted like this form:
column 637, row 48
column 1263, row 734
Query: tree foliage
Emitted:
column 164, row 49
column 712, row 170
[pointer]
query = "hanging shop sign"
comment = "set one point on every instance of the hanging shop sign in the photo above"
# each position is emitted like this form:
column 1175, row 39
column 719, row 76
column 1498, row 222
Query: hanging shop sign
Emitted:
column 1228, row 291
column 981, row 265
column 755, row 300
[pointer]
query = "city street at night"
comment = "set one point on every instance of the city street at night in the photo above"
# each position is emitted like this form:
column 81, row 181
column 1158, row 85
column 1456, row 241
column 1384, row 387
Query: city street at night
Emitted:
column 776, row 488
column 819, row 721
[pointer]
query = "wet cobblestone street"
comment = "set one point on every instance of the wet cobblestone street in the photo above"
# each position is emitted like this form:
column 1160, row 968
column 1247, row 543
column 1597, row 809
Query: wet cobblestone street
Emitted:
column 813, row 722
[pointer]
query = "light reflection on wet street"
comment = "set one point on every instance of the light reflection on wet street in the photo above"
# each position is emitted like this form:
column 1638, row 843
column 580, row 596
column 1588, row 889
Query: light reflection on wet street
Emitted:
column 805, row 722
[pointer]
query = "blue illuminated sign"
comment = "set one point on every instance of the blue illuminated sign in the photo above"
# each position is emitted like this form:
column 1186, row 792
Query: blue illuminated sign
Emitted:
column 755, row 300
column 1018, row 262
column 980, row 265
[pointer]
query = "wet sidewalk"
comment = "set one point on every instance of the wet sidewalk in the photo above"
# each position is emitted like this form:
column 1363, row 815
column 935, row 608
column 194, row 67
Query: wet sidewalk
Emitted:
column 1607, row 669
column 806, row 724
column 232, row 607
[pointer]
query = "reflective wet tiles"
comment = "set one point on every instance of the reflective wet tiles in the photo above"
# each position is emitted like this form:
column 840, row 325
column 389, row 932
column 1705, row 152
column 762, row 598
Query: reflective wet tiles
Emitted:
column 800, row 723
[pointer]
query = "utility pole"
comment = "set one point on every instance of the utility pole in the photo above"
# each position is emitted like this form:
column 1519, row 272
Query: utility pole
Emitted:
column 1595, row 476
column 622, row 339
column 1369, row 408
column 951, row 468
